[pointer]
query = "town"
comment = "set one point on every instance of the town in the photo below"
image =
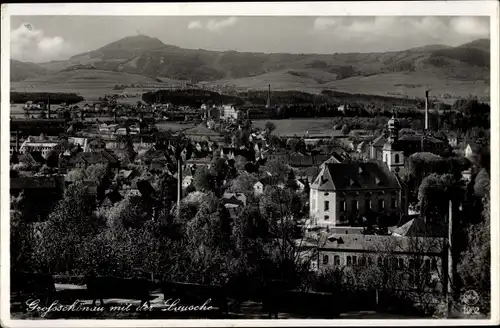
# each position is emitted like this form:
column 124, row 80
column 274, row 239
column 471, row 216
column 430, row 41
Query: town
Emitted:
column 103, row 188
column 249, row 167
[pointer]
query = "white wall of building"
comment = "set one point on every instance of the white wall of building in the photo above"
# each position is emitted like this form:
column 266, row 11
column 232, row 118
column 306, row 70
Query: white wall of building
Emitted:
column 323, row 207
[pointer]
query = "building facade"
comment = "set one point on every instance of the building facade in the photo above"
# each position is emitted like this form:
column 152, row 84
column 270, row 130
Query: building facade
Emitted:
column 345, row 194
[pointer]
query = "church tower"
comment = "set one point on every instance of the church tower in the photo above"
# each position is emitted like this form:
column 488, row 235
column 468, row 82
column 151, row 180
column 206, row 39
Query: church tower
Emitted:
column 392, row 152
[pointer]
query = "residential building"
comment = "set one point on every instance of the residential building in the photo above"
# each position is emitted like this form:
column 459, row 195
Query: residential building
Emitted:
column 83, row 142
column 343, row 194
column 472, row 151
column 229, row 113
column 419, row 257
column 258, row 188
column 85, row 159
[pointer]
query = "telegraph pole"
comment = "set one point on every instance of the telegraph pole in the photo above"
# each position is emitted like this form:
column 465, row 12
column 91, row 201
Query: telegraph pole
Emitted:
column 450, row 274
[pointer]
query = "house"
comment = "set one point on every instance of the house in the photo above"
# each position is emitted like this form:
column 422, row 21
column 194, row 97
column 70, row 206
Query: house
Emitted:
column 187, row 180
column 83, row 142
column 201, row 133
column 344, row 193
column 227, row 152
column 229, row 113
column 417, row 256
column 307, row 160
column 454, row 139
column 279, row 155
column 42, row 145
column 127, row 176
column 85, row 159
column 199, row 162
column 467, row 175
column 258, row 188
column 472, row 151
column 234, row 200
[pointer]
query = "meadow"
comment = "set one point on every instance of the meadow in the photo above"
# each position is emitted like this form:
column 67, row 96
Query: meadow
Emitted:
column 300, row 126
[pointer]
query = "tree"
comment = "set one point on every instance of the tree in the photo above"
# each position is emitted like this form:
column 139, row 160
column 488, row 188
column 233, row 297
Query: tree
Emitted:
column 52, row 159
column 481, row 183
column 243, row 183
column 75, row 175
column 240, row 162
column 474, row 265
column 278, row 171
column 70, row 224
column 345, row 129
column 431, row 191
column 270, row 127
column 203, row 180
column 291, row 182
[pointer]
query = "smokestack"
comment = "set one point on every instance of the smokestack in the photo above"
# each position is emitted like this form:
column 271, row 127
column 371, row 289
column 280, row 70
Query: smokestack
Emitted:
column 268, row 105
column 426, row 110
column 48, row 108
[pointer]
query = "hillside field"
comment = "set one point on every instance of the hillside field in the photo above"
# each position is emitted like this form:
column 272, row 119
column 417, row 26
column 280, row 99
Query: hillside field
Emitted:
column 400, row 84
column 299, row 126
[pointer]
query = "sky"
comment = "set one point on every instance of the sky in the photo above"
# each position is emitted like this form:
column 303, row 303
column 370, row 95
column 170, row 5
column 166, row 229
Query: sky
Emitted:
column 45, row 38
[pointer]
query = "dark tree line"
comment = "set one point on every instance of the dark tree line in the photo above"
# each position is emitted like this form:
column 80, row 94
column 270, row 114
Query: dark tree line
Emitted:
column 36, row 97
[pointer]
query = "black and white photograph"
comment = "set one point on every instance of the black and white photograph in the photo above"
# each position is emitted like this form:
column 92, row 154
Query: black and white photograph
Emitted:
column 301, row 167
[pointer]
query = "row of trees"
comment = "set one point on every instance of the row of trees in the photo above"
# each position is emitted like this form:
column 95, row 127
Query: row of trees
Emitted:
column 37, row 97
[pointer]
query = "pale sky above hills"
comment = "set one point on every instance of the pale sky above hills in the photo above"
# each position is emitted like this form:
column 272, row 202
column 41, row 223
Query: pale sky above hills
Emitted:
column 44, row 38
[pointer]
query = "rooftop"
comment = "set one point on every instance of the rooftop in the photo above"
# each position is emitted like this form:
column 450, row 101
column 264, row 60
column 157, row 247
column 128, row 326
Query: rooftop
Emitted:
column 354, row 176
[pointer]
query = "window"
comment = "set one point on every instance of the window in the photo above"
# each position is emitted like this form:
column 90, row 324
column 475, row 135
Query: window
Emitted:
column 368, row 204
column 427, row 264
column 342, row 205
column 434, row 264
column 327, row 218
column 411, row 278
column 326, row 194
column 379, row 261
column 401, row 264
column 394, row 203
column 325, row 259
column 386, row 158
column 370, row 261
column 381, row 204
column 354, row 205
column 313, row 204
column 336, row 260
column 395, row 263
column 362, row 261
column 327, row 205
column 396, row 158
column 386, row 262
column 349, row 260
column 354, row 260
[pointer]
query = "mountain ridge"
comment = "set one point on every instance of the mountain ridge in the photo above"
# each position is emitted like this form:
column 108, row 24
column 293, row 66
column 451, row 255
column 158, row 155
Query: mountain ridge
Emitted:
column 150, row 57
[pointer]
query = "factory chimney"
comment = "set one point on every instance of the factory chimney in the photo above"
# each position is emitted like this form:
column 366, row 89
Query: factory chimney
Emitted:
column 268, row 105
column 48, row 108
column 426, row 110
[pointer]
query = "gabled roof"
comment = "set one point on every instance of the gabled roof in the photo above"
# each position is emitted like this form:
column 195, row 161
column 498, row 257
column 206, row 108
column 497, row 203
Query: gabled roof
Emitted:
column 379, row 141
column 354, row 176
column 97, row 157
column 413, row 228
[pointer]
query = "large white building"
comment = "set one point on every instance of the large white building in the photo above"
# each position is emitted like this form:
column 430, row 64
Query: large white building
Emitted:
column 229, row 113
column 343, row 193
column 42, row 145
